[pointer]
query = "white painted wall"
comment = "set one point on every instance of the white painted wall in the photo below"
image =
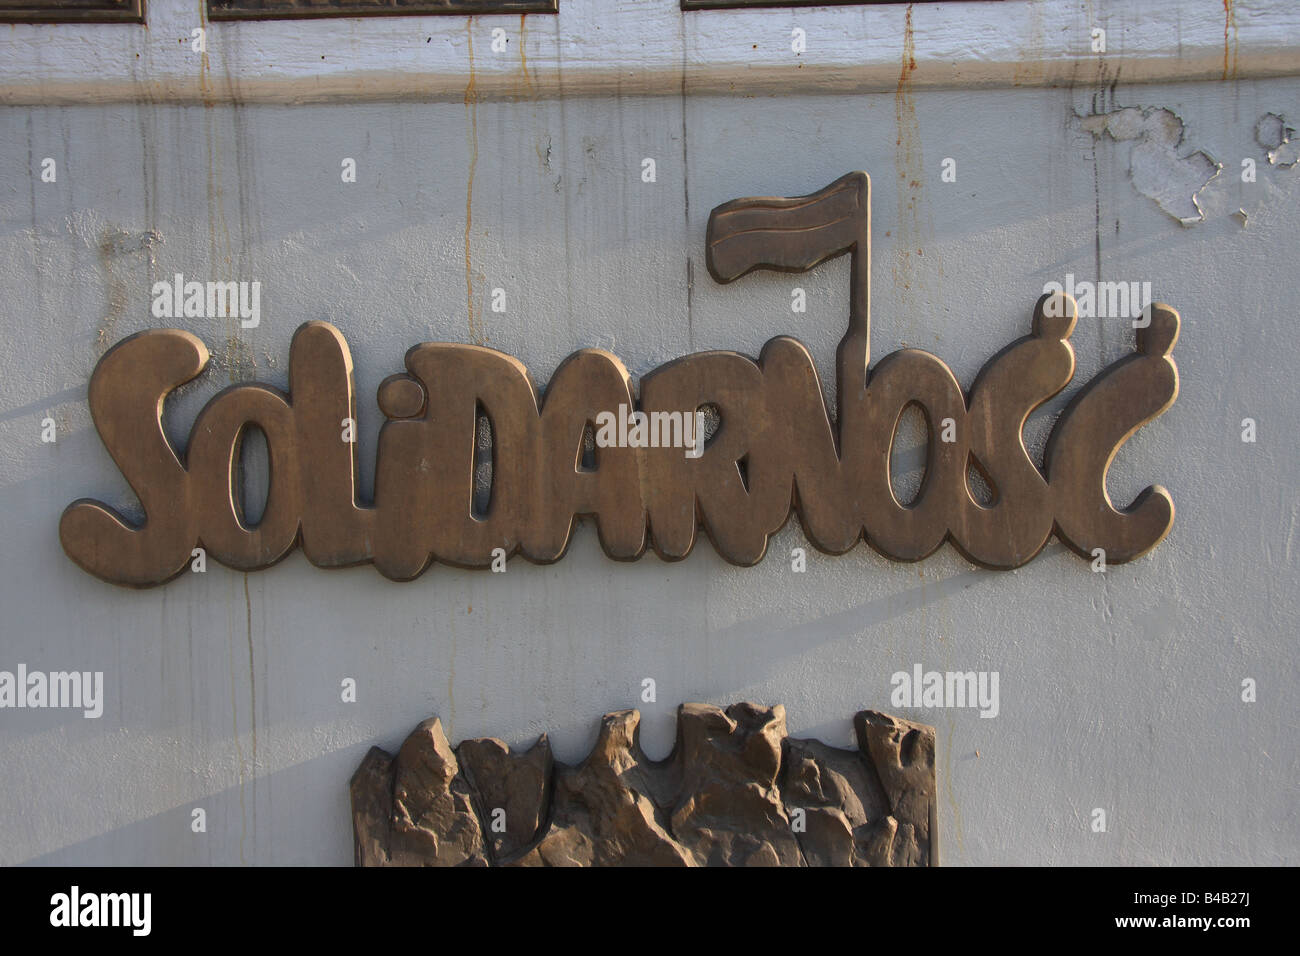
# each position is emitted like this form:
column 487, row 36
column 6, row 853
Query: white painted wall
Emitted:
column 1119, row 691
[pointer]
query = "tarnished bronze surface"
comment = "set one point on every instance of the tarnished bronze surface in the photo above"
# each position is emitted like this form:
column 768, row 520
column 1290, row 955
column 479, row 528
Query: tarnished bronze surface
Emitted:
column 295, row 9
column 776, row 448
column 71, row 11
column 737, row 790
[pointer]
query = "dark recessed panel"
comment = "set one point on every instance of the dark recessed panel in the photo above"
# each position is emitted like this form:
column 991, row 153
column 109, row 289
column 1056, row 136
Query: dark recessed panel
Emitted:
column 742, row 4
column 72, row 11
column 287, row 9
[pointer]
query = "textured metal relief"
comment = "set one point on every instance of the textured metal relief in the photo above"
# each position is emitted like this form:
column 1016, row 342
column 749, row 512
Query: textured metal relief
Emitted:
column 293, row 9
column 71, row 11
column 777, row 448
column 736, row 791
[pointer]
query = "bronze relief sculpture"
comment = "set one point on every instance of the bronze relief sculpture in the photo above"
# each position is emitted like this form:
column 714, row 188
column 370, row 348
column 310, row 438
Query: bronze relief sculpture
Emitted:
column 776, row 451
column 736, row 790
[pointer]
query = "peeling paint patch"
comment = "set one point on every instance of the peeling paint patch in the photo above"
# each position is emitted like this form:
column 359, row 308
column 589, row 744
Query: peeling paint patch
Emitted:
column 111, row 241
column 1278, row 137
column 1156, row 169
column 117, row 250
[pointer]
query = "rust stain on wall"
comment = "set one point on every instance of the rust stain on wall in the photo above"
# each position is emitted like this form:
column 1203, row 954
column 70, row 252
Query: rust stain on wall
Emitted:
column 237, row 359
column 220, row 248
column 471, row 109
column 1029, row 64
column 523, row 55
column 1229, row 27
column 908, row 161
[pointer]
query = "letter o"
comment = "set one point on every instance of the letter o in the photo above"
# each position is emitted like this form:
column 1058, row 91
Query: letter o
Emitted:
column 212, row 462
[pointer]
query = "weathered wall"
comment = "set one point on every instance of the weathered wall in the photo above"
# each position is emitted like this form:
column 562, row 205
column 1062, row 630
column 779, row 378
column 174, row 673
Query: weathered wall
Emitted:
column 1119, row 690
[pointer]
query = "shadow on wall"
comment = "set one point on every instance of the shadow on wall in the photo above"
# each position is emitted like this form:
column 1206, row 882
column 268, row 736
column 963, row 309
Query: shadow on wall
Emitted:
column 168, row 838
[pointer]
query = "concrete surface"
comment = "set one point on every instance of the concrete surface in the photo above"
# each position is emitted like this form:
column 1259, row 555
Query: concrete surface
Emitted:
column 1119, row 691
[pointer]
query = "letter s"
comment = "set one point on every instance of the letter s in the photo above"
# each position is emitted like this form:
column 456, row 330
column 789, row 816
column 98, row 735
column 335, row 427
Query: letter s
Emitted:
column 126, row 397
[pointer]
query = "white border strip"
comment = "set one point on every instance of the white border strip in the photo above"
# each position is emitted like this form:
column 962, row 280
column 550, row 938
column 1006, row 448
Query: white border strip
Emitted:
column 599, row 47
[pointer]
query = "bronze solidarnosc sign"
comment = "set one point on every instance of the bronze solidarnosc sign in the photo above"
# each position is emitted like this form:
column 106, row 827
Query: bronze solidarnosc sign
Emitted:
column 776, row 449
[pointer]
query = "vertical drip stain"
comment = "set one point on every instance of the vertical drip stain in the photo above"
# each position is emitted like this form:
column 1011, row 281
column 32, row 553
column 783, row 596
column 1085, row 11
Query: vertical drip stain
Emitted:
column 220, row 254
column 1229, row 26
column 908, row 162
column 471, row 110
column 1096, row 207
column 451, row 685
column 958, row 830
column 252, row 693
column 686, row 200
column 523, row 54
column 239, row 749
